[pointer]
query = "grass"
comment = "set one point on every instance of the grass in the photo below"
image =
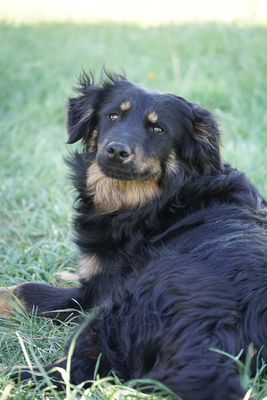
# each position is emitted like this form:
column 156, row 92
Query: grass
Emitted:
column 221, row 67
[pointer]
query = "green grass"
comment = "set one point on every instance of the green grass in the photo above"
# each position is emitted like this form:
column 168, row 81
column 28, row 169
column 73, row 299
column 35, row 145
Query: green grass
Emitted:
column 222, row 67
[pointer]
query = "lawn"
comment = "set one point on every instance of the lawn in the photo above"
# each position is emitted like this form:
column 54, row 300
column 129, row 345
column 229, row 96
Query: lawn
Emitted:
column 217, row 65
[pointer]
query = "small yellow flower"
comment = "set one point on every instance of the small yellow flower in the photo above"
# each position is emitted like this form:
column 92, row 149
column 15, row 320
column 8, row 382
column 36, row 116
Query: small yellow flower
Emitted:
column 152, row 75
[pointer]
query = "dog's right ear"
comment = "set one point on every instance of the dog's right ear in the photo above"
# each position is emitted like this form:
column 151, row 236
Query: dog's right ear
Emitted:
column 82, row 118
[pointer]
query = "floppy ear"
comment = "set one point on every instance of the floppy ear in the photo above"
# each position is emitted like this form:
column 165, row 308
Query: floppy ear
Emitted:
column 201, row 144
column 82, row 110
column 82, row 118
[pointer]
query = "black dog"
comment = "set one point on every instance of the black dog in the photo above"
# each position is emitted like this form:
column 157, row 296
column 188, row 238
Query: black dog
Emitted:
column 173, row 245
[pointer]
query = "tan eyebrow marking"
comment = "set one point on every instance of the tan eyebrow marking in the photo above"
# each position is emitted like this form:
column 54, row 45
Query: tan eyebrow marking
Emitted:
column 152, row 117
column 125, row 105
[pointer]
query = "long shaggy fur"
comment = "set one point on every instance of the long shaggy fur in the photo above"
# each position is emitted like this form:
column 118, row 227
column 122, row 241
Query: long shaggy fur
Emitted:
column 173, row 245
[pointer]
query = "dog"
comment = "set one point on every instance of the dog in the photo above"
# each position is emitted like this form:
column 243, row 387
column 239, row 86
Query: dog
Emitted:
column 172, row 241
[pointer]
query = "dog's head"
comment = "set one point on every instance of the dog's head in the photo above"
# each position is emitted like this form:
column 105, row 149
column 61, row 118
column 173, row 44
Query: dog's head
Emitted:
column 139, row 140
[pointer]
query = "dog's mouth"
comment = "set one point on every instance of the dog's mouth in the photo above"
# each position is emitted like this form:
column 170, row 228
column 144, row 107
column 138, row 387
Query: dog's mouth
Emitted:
column 130, row 169
column 124, row 174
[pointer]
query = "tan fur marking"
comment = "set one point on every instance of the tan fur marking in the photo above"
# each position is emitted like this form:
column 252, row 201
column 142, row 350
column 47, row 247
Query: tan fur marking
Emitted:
column 85, row 117
column 5, row 299
column 67, row 278
column 202, row 135
column 172, row 164
column 89, row 265
column 92, row 142
column 88, row 114
column 126, row 105
column 113, row 194
column 152, row 117
column 151, row 163
column 201, row 128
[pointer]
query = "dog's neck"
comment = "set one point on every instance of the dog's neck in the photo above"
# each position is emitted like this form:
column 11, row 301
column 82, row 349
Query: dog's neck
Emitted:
column 111, row 195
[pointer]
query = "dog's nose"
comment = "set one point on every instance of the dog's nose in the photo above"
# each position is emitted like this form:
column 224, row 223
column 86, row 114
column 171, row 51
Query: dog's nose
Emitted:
column 118, row 152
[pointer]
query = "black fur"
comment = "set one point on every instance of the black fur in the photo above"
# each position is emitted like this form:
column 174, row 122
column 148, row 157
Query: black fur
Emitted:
column 182, row 274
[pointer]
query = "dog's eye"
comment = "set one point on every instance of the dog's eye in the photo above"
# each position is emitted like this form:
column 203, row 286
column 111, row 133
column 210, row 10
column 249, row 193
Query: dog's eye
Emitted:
column 157, row 129
column 113, row 117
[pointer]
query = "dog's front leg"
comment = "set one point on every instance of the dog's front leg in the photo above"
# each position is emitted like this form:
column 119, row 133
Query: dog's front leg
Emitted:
column 48, row 301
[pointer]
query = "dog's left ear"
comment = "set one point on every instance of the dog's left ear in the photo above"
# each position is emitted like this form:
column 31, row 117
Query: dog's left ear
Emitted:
column 82, row 118
column 201, row 145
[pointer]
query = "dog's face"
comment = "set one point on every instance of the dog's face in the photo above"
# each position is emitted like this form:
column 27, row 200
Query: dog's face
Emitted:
column 134, row 133
column 139, row 139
